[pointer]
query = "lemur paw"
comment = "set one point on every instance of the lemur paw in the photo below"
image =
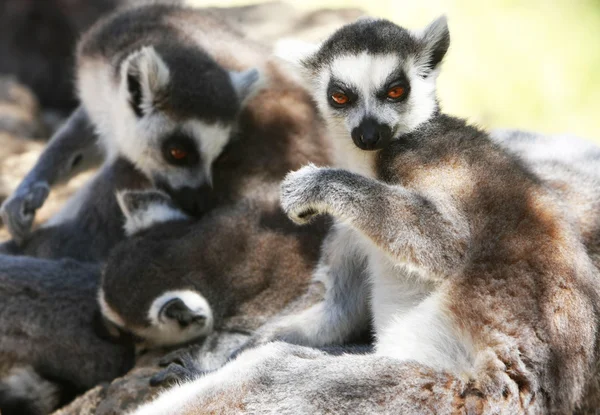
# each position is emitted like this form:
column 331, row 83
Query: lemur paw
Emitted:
column 180, row 366
column 301, row 194
column 18, row 211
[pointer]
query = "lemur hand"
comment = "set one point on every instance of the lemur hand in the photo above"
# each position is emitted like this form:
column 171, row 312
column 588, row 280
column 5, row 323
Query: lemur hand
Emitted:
column 179, row 366
column 18, row 211
column 301, row 194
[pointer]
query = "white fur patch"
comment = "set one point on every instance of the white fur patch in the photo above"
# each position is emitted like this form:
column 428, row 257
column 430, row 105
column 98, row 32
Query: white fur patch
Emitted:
column 366, row 72
column 163, row 332
column 410, row 318
column 211, row 140
column 107, row 311
column 97, row 91
column 147, row 216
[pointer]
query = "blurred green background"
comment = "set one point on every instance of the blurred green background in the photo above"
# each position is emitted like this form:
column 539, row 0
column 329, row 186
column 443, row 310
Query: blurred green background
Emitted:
column 531, row 64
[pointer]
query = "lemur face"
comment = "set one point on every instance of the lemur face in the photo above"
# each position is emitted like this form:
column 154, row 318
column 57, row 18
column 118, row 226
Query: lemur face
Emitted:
column 179, row 110
column 145, row 291
column 173, row 318
column 375, row 81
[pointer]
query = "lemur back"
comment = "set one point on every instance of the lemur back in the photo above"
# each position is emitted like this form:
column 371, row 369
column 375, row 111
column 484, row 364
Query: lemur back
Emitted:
column 571, row 167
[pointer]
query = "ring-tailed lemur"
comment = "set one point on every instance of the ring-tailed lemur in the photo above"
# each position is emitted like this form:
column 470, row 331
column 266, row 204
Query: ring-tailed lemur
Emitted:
column 482, row 294
column 156, row 96
column 185, row 279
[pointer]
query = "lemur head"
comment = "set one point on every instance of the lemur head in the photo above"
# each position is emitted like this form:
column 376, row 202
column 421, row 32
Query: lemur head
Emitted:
column 177, row 112
column 373, row 80
column 153, row 302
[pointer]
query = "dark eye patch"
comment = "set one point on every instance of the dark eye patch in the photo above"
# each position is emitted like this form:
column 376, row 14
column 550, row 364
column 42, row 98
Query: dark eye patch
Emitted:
column 180, row 150
column 396, row 79
column 338, row 87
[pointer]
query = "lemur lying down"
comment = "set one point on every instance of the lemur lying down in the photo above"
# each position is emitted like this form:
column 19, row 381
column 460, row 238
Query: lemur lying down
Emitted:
column 185, row 280
column 477, row 276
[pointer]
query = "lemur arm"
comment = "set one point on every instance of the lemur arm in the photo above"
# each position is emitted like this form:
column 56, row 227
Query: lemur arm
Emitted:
column 70, row 151
column 410, row 227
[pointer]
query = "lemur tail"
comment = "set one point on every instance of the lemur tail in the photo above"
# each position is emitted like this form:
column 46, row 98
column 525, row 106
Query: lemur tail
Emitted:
column 24, row 392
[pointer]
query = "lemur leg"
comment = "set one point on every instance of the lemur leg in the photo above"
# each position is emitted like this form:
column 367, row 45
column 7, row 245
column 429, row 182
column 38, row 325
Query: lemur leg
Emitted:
column 410, row 227
column 71, row 150
column 344, row 310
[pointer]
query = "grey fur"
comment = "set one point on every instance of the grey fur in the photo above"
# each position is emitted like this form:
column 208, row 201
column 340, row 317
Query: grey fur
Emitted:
column 90, row 223
column 47, row 310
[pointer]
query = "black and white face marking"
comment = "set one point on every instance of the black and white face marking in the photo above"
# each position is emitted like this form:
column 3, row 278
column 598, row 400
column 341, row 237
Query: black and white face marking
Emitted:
column 174, row 114
column 375, row 81
column 175, row 317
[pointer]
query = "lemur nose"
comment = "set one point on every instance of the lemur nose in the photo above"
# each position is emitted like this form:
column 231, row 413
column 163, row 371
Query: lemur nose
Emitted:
column 371, row 135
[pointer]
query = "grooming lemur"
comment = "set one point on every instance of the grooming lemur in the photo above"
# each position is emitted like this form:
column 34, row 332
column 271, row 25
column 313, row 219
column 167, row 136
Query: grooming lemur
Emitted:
column 482, row 293
column 154, row 95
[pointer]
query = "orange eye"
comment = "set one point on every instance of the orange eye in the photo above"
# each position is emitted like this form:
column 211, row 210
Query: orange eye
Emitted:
column 395, row 92
column 177, row 153
column 340, row 98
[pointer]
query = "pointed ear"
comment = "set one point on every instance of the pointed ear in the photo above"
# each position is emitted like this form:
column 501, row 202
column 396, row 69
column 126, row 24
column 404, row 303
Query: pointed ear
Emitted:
column 246, row 83
column 145, row 75
column 435, row 39
column 145, row 208
column 297, row 55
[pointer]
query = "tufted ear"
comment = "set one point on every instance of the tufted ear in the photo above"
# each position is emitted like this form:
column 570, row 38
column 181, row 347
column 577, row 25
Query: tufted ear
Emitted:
column 296, row 54
column 435, row 41
column 246, row 83
column 145, row 208
column 145, row 75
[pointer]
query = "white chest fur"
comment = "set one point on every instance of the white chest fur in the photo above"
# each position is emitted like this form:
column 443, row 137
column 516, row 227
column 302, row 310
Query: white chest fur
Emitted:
column 410, row 318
